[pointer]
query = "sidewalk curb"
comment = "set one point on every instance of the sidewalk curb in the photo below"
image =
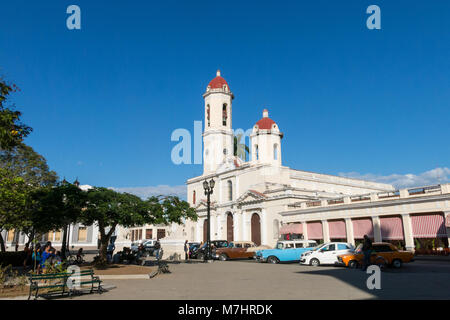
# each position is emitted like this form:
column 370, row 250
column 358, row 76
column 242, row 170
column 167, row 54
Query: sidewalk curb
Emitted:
column 124, row 276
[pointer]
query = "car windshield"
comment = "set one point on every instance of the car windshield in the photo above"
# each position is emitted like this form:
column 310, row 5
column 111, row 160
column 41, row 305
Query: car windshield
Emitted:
column 221, row 244
column 279, row 245
column 318, row 247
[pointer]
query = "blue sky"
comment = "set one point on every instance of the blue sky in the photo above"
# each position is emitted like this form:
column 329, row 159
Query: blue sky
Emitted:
column 104, row 100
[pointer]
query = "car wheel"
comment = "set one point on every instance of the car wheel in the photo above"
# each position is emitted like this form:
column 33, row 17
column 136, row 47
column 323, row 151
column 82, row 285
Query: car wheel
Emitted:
column 353, row 264
column 272, row 259
column 381, row 263
column 223, row 257
column 314, row 262
column 397, row 263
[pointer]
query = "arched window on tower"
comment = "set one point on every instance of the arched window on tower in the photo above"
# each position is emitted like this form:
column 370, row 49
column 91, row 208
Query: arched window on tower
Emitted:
column 256, row 152
column 208, row 115
column 230, row 191
column 224, row 114
column 193, row 197
column 275, row 152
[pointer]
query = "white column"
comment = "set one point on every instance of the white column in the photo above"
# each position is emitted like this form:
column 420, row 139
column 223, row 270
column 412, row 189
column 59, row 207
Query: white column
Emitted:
column 237, row 225
column 407, row 232
column 244, row 233
column 446, row 216
column 199, row 236
column 305, row 231
column 325, row 231
column 376, row 229
column 265, row 228
column 349, row 231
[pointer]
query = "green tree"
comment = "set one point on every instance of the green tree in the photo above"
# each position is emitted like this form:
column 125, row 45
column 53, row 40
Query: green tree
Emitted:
column 52, row 208
column 24, row 162
column 108, row 209
column 12, row 130
column 14, row 195
column 240, row 150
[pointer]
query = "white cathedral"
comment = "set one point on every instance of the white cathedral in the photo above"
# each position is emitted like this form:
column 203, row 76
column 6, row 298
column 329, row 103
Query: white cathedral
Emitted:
column 248, row 197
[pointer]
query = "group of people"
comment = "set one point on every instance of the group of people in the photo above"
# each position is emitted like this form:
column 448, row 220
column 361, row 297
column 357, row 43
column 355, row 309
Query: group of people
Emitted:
column 45, row 255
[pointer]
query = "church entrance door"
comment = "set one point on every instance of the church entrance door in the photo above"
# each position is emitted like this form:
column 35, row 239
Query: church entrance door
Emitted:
column 230, row 227
column 256, row 229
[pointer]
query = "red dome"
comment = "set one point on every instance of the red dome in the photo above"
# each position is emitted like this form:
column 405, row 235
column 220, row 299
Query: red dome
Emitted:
column 218, row 82
column 265, row 123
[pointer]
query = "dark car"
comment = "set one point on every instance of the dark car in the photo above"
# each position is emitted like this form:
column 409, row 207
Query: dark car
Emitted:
column 200, row 252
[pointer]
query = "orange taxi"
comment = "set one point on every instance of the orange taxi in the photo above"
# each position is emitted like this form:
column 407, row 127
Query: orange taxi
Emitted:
column 383, row 254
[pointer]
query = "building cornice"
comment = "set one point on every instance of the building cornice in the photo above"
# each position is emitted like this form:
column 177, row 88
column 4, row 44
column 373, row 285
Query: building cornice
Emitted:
column 369, row 204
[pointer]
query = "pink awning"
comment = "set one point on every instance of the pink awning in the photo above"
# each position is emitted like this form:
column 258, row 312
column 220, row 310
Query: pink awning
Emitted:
column 362, row 227
column 429, row 226
column 295, row 228
column 391, row 228
column 337, row 229
column 314, row 230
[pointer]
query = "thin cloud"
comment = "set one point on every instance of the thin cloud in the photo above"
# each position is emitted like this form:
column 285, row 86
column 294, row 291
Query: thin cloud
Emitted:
column 146, row 192
column 431, row 177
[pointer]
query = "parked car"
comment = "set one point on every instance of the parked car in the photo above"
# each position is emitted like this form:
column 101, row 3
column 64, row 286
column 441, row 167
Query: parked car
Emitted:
column 193, row 246
column 201, row 251
column 326, row 253
column 383, row 254
column 149, row 245
column 238, row 250
column 289, row 250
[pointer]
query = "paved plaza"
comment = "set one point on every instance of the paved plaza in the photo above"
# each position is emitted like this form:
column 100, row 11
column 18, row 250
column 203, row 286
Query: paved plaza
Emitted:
column 251, row 280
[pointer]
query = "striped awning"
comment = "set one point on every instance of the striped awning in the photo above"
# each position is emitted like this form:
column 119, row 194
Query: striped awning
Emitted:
column 362, row 227
column 294, row 228
column 429, row 226
column 314, row 230
column 391, row 228
column 337, row 229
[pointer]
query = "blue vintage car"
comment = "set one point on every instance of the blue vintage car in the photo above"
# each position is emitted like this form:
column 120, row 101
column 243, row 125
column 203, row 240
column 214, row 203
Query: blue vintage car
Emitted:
column 289, row 250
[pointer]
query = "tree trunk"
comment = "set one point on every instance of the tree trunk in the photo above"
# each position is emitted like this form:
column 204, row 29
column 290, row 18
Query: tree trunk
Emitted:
column 2, row 243
column 64, row 244
column 104, row 241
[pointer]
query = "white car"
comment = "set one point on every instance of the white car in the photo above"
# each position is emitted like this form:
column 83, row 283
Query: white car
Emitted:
column 326, row 253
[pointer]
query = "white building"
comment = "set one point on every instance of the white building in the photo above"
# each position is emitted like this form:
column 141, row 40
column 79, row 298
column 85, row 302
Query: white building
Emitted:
column 260, row 200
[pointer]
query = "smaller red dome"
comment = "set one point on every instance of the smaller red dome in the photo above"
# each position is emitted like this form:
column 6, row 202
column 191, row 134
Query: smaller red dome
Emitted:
column 265, row 123
column 218, row 82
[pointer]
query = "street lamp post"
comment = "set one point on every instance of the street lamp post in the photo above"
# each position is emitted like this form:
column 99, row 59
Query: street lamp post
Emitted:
column 208, row 191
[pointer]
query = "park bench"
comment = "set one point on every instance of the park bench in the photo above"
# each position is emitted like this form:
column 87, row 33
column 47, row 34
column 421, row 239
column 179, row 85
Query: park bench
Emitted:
column 58, row 282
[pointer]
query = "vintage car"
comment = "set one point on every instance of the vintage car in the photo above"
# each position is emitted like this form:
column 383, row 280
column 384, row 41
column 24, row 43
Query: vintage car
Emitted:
column 383, row 254
column 199, row 252
column 238, row 250
column 326, row 253
column 289, row 250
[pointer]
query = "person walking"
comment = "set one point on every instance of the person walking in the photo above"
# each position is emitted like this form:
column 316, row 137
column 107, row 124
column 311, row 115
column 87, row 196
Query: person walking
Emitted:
column 367, row 251
column 27, row 255
column 157, row 249
column 186, row 250
column 36, row 258
column 110, row 251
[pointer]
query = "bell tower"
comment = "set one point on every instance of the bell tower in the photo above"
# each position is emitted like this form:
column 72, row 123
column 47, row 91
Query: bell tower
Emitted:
column 218, row 133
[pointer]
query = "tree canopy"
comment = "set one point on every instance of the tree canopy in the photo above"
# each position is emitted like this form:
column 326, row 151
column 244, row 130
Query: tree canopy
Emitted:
column 22, row 161
column 12, row 130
